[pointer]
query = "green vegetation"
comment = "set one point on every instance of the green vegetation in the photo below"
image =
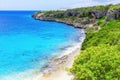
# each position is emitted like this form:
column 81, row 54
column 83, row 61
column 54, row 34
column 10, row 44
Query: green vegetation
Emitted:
column 76, row 15
column 85, row 10
column 82, row 13
column 99, row 59
column 113, row 7
column 109, row 34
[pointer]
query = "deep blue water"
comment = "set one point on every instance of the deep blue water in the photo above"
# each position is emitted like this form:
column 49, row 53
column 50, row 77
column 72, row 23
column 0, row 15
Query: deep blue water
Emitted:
column 26, row 43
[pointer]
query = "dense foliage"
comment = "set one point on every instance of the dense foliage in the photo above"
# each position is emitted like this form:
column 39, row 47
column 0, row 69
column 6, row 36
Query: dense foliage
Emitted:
column 109, row 34
column 99, row 59
column 84, row 12
column 112, row 7
column 78, row 14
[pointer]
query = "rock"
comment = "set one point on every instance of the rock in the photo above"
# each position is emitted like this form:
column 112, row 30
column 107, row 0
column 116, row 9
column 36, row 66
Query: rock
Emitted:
column 67, row 14
column 85, row 21
column 37, row 15
column 75, row 13
column 52, row 15
column 61, row 14
column 117, row 14
column 110, row 15
column 96, row 14
column 113, row 14
column 71, row 13
column 77, row 25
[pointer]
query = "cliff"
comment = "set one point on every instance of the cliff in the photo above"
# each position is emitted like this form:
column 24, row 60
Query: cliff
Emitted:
column 99, row 58
column 81, row 17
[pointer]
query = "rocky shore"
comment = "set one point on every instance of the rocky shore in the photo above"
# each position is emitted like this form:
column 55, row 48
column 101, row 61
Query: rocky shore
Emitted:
column 55, row 70
column 57, row 67
column 79, row 19
column 51, row 19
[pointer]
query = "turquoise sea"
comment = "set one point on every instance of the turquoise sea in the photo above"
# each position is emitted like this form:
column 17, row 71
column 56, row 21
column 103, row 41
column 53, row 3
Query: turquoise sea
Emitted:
column 27, row 44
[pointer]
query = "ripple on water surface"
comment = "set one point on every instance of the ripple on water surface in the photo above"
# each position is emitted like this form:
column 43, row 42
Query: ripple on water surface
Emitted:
column 27, row 44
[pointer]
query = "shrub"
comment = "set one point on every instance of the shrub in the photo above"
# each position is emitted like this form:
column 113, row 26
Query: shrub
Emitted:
column 98, row 63
column 109, row 34
column 99, row 59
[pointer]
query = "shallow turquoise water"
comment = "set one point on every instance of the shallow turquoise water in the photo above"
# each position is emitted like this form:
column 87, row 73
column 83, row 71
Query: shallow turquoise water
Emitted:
column 26, row 43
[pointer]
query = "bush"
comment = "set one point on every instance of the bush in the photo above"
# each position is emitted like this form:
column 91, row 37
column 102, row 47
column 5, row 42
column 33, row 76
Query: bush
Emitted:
column 99, row 59
column 98, row 63
column 109, row 34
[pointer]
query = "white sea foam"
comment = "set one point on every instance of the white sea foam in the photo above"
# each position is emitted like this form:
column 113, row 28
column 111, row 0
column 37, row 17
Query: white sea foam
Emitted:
column 73, row 47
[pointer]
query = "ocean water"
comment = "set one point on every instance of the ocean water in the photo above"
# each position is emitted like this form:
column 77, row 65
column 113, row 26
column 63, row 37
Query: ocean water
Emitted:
column 27, row 44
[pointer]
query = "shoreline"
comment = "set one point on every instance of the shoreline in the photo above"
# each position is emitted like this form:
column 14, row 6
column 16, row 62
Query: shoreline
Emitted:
column 50, row 19
column 60, row 64
column 57, row 68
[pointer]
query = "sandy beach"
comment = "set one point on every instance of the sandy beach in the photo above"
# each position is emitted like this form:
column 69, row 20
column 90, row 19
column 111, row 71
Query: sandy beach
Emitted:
column 58, row 67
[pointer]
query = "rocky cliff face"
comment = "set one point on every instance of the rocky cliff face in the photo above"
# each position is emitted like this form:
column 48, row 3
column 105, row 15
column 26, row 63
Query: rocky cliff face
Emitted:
column 113, row 14
column 97, row 14
column 77, row 18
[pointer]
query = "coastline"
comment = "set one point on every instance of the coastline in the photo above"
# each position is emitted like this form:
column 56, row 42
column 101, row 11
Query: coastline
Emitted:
column 59, row 71
column 51, row 19
column 64, row 61
column 57, row 68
